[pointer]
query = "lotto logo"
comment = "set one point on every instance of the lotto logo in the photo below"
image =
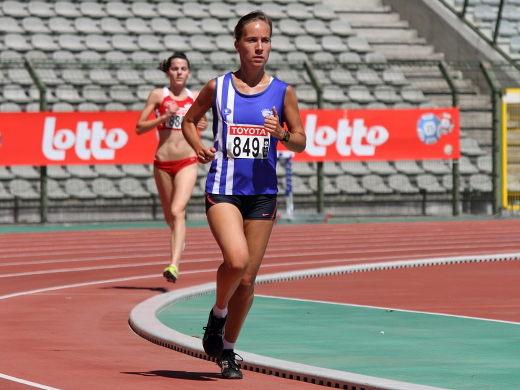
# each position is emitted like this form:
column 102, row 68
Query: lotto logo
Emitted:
column 94, row 142
column 253, row 131
column 355, row 139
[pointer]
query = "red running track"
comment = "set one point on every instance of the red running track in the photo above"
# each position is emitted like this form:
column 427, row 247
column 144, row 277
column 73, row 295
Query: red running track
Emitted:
column 65, row 297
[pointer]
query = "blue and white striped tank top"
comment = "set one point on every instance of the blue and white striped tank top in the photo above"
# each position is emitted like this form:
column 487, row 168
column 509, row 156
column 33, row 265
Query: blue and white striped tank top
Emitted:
column 245, row 162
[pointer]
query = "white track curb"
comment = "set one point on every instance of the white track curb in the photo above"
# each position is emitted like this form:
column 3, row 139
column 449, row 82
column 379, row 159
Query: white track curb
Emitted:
column 143, row 320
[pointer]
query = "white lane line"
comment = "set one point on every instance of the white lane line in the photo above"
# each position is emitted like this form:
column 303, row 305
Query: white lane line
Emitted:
column 22, row 381
column 387, row 308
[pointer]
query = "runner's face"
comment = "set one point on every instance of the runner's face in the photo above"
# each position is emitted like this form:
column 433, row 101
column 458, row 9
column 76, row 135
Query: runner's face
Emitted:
column 255, row 43
column 178, row 72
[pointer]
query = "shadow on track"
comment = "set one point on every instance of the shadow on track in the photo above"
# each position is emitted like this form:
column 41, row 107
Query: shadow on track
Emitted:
column 192, row 376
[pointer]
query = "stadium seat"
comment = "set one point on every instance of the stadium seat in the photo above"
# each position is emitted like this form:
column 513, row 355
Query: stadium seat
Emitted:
column 225, row 42
column 151, row 187
column 36, row 55
column 324, row 12
column 375, row 58
column 412, row 95
column 360, row 94
column 202, row 43
column 34, row 94
column 290, row 76
column 143, row 91
column 281, row 43
column 136, row 170
column 68, row 93
column 131, row 187
column 176, row 42
column 349, row 57
column 15, row 93
column 112, row 26
column 483, row 13
column 194, row 10
column 17, row 42
column 124, row 43
column 81, row 171
column 74, row 77
column 98, row 43
column 118, row 9
column 221, row 10
column 386, row 94
column 342, row 77
column 4, row 194
column 15, row 9
column 408, row 167
column 142, row 56
column 66, row 9
column 54, row 190
column 356, row 168
column 10, row 107
column 316, row 27
column 470, row 147
column 10, row 25
column 333, row 43
column 102, row 77
column 5, row 174
column 380, row 167
column 298, row 11
column 368, row 76
column 25, row 172
column 485, row 164
column 162, row 26
column 60, row 25
column 394, row 77
column 86, row 25
column 330, row 168
column 19, row 76
column 275, row 11
column 92, row 9
column 32, row 107
column 306, row 93
column 137, row 26
column 79, row 189
column 466, row 167
column 122, row 93
column 115, row 106
column 116, row 56
column 88, row 107
column 307, row 43
column 110, row 171
column 323, row 58
column 375, row 184
column 510, row 12
column 62, row 107
column 358, row 44
column 71, row 42
column 328, row 187
column 401, row 183
column 41, row 9
column 34, row 25
column 105, row 188
column 447, row 182
column 334, row 94
column 438, row 167
column 169, row 10
column 144, row 10
column 23, row 189
column 155, row 77
column 341, row 28
column 349, row 185
column 429, row 183
column 291, row 27
column 94, row 93
column 150, row 42
column 376, row 106
column 300, row 187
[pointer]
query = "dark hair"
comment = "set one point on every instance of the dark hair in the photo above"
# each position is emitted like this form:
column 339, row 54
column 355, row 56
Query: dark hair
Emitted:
column 252, row 17
column 165, row 65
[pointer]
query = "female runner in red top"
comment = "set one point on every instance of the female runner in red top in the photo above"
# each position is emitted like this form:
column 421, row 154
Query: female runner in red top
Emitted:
column 175, row 164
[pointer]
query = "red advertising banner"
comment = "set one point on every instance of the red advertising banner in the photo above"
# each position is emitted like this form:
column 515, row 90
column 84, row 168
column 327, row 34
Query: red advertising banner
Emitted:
column 380, row 135
column 332, row 135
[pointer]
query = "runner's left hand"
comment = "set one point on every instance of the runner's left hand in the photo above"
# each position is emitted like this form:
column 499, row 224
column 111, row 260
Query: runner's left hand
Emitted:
column 272, row 125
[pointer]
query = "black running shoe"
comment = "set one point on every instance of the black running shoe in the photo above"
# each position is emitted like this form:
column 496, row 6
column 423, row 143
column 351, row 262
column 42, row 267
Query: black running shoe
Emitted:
column 228, row 364
column 213, row 341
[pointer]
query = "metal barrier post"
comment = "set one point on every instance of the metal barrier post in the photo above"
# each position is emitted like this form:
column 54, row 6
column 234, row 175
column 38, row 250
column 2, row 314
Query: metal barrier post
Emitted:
column 319, row 92
column 455, row 163
column 289, row 205
column 496, row 101
column 499, row 19
column 44, row 204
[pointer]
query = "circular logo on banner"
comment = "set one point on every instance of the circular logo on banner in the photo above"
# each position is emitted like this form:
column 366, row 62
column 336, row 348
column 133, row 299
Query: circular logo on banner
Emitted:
column 429, row 128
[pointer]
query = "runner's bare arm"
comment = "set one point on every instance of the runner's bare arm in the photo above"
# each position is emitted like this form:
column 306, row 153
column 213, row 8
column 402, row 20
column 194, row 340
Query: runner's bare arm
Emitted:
column 297, row 138
column 154, row 100
column 196, row 112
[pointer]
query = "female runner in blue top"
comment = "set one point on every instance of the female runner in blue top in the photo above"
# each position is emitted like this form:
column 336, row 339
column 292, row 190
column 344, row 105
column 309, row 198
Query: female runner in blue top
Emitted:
column 249, row 110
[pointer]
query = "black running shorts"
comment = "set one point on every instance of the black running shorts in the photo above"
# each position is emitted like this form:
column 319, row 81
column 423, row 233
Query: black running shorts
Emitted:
column 250, row 206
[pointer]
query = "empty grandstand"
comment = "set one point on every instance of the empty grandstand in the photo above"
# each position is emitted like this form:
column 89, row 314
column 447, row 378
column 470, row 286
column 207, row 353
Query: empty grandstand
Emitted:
column 102, row 56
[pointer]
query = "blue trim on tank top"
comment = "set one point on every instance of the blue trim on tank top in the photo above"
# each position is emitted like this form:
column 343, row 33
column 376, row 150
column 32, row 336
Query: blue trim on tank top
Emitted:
column 271, row 79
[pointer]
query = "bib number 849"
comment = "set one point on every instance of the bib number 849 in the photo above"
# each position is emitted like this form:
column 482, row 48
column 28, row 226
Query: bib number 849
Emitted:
column 250, row 147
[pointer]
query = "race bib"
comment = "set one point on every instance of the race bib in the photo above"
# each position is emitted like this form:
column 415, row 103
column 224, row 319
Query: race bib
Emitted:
column 175, row 121
column 248, row 141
